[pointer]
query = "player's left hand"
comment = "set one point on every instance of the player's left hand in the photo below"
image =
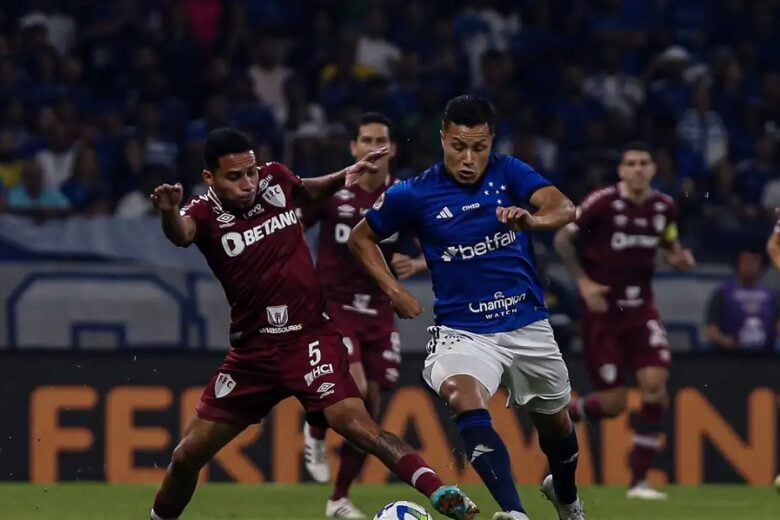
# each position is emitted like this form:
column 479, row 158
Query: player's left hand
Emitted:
column 681, row 259
column 518, row 219
column 365, row 165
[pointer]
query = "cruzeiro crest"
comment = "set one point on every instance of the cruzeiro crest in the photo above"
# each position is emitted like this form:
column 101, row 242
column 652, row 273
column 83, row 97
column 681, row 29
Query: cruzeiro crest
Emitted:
column 277, row 315
column 275, row 196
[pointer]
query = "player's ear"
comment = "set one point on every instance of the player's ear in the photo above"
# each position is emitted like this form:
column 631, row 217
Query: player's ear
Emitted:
column 392, row 150
column 208, row 177
column 352, row 148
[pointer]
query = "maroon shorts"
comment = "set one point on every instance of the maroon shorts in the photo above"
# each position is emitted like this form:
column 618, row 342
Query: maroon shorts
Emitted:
column 370, row 340
column 632, row 338
column 255, row 376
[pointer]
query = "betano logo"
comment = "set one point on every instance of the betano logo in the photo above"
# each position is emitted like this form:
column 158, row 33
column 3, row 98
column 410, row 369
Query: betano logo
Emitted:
column 493, row 243
column 234, row 243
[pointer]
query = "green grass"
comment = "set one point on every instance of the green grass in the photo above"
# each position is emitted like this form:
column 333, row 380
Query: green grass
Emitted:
column 91, row 501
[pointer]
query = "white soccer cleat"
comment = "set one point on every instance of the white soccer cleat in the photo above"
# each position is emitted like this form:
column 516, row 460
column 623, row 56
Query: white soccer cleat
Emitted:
column 643, row 491
column 573, row 511
column 342, row 508
column 315, row 454
column 512, row 515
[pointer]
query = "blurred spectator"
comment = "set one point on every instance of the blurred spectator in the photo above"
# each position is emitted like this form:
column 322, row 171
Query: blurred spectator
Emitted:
column 33, row 197
column 10, row 162
column 85, row 190
column 342, row 80
column 57, row 159
column 615, row 90
column 297, row 108
column 267, row 72
column 744, row 313
column 136, row 204
column 703, row 137
column 373, row 50
column 60, row 27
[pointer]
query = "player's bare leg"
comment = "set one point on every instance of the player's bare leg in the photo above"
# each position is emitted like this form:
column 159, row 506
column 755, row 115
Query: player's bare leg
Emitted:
column 599, row 405
column 339, row 505
column 468, row 399
column 558, row 441
column 201, row 441
column 350, row 419
column 647, row 433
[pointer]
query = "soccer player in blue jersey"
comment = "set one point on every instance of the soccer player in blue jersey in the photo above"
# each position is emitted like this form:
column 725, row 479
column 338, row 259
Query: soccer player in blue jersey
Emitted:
column 469, row 213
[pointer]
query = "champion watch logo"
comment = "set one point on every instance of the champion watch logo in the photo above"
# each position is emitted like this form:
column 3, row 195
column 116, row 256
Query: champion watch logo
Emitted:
column 444, row 213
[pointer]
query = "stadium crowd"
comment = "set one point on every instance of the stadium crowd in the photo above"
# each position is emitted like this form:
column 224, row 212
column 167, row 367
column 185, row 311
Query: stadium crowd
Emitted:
column 102, row 100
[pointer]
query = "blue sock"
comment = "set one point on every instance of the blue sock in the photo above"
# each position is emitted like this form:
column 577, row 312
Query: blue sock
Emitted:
column 489, row 457
column 562, row 456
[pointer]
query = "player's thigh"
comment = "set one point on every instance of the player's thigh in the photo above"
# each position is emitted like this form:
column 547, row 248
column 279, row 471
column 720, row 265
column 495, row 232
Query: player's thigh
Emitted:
column 344, row 323
column 382, row 359
column 537, row 378
column 604, row 354
column 648, row 345
column 359, row 376
column 241, row 392
column 202, row 440
column 316, row 372
column 453, row 352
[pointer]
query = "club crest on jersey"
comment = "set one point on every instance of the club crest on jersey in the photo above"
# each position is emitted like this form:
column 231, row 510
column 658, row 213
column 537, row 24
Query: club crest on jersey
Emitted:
column 608, row 373
column 223, row 385
column 378, row 204
column 264, row 183
column 275, row 196
column 618, row 205
column 277, row 315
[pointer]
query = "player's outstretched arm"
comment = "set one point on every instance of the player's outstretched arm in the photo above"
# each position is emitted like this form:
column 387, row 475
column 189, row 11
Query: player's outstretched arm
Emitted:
column 773, row 249
column 679, row 257
column 317, row 189
column 179, row 230
column 364, row 245
column 592, row 292
column 555, row 209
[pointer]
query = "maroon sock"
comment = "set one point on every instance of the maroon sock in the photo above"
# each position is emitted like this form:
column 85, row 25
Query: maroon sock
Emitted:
column 317, row 433
column 647, row 440
column 349, row 468
column 587, row 407
column 413, row 470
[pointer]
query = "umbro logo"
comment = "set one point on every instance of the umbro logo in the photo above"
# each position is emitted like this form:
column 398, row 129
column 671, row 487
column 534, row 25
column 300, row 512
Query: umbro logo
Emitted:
column 225, row 218
column 444, row 213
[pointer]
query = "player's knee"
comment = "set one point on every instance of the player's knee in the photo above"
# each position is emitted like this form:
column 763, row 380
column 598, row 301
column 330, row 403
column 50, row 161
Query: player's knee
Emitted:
column 654, row 392
column 187, row 458
column 615, row 404
column 461, row 399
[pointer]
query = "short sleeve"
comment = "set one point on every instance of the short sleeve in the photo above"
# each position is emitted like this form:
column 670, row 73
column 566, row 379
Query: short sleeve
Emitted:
column 196, row 208
column 588, row 212
column 313, row 214
column 523, row 179
column 393, row 211
column 715, row 308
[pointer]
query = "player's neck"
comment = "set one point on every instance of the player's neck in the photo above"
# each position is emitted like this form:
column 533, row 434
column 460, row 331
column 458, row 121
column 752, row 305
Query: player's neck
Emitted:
column 371, row 182
column 637, row 197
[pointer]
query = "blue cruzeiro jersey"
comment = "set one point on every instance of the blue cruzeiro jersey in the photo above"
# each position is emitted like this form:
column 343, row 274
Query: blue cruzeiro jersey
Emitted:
column 484, row 275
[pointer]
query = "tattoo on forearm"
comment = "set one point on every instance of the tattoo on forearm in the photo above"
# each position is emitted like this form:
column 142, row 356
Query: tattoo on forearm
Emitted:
column 389, row 448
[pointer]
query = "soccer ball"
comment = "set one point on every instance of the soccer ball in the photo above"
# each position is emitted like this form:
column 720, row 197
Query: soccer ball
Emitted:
column 403, row 510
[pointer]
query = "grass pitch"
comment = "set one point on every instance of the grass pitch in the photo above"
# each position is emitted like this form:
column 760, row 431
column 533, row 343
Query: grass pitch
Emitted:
column 93, row 501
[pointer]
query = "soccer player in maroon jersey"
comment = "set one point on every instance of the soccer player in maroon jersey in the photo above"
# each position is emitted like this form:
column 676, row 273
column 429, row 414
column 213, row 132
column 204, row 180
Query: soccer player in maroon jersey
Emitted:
column 282, row 342
column 360, row 310
column 619, row 229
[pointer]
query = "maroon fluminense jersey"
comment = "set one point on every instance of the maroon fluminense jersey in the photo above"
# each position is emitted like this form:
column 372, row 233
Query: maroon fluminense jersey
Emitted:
column 261, row 258
column 619, row 240
column 340, row 274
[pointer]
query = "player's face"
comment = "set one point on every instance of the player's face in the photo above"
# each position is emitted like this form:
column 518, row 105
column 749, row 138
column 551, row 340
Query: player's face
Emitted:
column 636, row 169
column 466, row 151
column 373, row 136
column 235, row 181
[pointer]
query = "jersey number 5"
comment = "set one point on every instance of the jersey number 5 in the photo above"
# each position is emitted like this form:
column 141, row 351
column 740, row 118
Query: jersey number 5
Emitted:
column 315, row 356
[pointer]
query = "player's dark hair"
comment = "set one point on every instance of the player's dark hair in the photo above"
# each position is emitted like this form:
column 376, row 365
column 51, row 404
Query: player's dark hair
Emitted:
column 469, row 110
column 223, row 141
column 636, row 146
column 374, row 117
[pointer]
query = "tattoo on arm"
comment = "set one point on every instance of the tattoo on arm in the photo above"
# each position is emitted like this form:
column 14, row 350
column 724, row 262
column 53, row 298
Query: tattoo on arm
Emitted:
column 389, row 448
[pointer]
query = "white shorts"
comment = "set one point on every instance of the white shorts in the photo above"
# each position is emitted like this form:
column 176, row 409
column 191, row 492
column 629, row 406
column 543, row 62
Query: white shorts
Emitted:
column 527, row 362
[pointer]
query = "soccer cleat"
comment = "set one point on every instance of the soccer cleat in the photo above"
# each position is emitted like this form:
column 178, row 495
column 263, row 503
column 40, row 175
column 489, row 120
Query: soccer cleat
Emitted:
column 453, row 503
column 342, row 508
column 642, row 490
column 315, row 454
column 512, row 515
column 573, row 511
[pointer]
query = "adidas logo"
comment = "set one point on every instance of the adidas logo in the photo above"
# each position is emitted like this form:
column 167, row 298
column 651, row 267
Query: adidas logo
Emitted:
column 444, row 213
column 479, row 449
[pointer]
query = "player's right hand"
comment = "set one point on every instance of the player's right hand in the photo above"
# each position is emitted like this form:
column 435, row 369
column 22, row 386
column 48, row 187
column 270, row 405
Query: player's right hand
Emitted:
column 594, row 294
column 403, row 266
column 166, row 197
column 405, row 304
